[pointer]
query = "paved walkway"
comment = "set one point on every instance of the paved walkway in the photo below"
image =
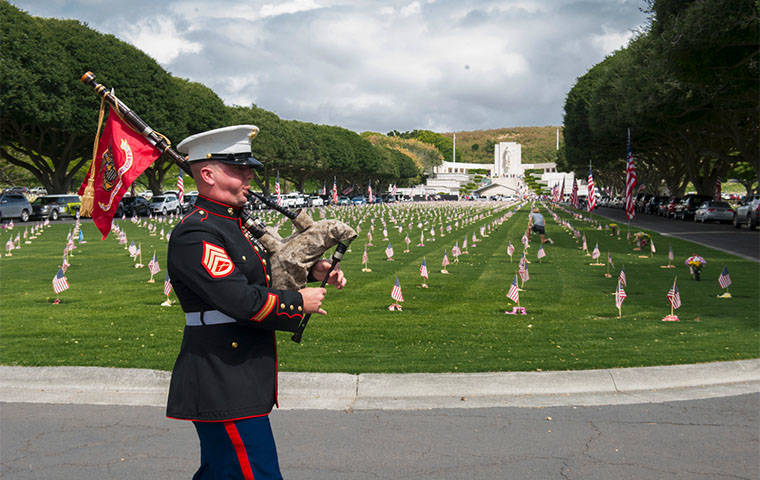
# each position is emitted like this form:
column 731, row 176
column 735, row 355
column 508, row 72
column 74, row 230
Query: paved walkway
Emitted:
column 339, row 391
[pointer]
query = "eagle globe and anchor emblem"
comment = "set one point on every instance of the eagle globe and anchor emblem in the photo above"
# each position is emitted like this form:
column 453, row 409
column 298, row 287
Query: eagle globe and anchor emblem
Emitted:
column 110, row 175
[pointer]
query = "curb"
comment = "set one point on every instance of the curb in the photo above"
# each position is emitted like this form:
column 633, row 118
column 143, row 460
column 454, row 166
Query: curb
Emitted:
column 413, row 391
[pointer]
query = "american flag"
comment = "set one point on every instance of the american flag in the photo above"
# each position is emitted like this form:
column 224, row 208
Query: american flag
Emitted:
column 324, row 189
column 389, row 251
column 132, row 249
column 423, row 269
column 277, row 189
column 394, row 189
column 167, row 285
column 510, row 249
column 562, row 190
column 596, row 253
column 514, row 292
column 622, row 275
column 396, row 292
column 541, row 253
column 456, row 251
column 523, row 269
column 525, row 241
column 365, row 258
column 630, row 182
column 651, row 245
column 59, row 282
column 180, row 188
column 724, row 280
column 9, row 245
column 585, row 244
column 619, row 294
column 609, row 260
column 574, row 194
column 673, row 296
column 445, row 260
column 670, row 253
column 335, row 191
column 153, row 265
column 591, row 197
column 369, row 194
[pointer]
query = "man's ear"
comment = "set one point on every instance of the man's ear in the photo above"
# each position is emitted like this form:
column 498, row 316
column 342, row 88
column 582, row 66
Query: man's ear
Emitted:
column 207, row 173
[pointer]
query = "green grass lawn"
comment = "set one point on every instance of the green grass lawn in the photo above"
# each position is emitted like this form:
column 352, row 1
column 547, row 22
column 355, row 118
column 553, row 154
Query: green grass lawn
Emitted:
column 111, row 316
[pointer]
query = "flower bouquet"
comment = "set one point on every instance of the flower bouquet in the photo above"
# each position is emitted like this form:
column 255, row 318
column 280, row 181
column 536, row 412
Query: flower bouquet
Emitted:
column 641, row 240
column 695, row 263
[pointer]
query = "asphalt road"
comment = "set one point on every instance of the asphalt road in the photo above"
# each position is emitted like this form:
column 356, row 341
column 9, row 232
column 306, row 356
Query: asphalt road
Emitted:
column 698, row 439
column 742, row 242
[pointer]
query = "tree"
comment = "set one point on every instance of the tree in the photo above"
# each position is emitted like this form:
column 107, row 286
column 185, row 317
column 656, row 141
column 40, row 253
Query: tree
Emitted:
column 48, row 119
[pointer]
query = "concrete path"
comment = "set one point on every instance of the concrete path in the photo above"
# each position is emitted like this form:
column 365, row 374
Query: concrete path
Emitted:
column 338, row 391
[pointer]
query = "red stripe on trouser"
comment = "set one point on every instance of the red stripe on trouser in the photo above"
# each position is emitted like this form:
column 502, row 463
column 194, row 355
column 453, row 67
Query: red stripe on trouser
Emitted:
column 242, row 455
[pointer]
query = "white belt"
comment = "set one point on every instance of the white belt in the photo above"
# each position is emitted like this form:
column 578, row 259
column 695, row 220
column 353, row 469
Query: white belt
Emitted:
column 212, row 317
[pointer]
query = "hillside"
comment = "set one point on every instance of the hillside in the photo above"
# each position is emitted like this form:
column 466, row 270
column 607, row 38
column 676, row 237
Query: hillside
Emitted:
column 538, row 143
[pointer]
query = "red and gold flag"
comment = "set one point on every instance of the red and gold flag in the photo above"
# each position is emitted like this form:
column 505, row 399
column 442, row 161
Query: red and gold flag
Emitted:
column 122, row 156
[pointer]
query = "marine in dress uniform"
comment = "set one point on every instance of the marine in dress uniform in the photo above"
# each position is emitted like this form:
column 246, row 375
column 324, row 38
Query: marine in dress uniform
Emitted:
column 225, row 376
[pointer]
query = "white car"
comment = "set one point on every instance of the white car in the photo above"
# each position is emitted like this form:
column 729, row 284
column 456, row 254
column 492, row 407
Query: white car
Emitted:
column 316, row 201
column 165, row 204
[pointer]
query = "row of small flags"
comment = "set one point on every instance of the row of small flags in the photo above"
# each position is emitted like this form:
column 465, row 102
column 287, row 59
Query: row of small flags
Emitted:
column 673, row 295
column 396, row 293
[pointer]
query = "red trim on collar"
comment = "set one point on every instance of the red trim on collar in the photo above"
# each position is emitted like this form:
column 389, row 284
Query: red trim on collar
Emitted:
column 219, row 203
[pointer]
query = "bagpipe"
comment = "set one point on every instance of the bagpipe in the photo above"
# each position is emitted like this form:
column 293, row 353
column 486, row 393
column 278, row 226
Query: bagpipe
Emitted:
column 291, row 258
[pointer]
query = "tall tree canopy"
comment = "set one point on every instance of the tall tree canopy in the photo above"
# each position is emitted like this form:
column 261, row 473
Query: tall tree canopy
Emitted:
column 687, row 88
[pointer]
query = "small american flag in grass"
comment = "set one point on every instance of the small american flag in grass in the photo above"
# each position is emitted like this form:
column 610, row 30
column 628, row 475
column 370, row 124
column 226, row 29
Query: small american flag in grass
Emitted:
column 514, row 293
column 674, row 297
column 167, row 285
column 59, row 282
column 396, row 292
column 725, row 279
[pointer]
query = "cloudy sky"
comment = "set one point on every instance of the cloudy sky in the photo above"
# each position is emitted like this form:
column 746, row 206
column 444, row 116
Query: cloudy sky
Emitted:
column 374, row 65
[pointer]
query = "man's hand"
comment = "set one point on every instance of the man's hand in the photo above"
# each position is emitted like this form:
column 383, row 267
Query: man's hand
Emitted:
column 319, row 270
column 312, row 299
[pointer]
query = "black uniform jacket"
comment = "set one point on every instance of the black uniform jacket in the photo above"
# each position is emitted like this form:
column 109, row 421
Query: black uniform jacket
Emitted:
column 225, row 371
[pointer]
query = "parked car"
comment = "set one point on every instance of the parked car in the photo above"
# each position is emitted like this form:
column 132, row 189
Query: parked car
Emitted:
column 293, row 200
column 133, row 206
column 165, row 204
column 56, row 206
column 316, row 201
column 38, row 191
column 653, row 204
column 359, row 200
column 685, row 209
column 668, row 206
column 189, row 201
column 712, row 211
column 748, row 212
column 14, row 205
column 641, row 202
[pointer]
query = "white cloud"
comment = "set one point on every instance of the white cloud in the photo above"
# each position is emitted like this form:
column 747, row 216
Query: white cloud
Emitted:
column 158, row 37
column 375, row 65
column 609, row 41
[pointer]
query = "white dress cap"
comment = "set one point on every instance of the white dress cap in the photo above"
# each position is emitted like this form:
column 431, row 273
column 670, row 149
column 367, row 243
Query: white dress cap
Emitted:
column 227, row 144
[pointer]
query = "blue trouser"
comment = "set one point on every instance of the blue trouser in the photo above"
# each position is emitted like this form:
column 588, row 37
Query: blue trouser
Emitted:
column 240, row 449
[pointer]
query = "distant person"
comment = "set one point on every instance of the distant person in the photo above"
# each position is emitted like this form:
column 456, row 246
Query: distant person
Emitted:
column 539, row 225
